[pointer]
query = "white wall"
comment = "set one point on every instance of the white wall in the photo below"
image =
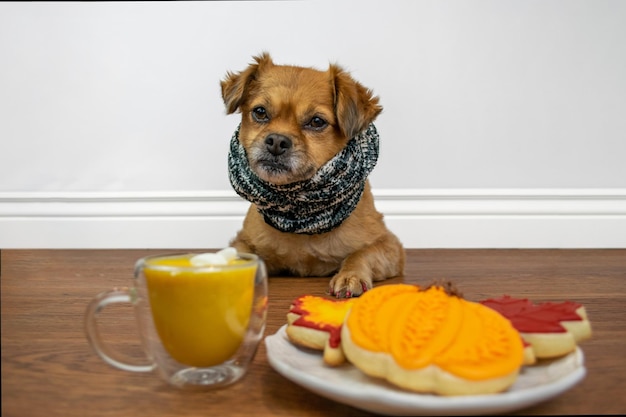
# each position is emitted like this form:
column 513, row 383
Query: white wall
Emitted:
column 123, row 98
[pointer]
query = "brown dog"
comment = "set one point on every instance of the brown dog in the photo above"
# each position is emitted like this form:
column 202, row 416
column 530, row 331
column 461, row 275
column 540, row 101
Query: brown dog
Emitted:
column 294, row 121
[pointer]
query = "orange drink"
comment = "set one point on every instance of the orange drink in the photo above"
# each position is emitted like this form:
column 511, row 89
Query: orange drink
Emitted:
column 200, row 317
column 201, row 314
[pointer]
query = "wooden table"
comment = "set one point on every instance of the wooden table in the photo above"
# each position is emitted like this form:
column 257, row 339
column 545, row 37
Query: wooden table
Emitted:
column 48, row 368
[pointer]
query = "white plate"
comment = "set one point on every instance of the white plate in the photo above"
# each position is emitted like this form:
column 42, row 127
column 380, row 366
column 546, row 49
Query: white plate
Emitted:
column 348, row 385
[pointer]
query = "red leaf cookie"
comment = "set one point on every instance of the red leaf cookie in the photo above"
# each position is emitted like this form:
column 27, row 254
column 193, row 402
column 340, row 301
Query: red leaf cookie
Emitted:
column 315, row 322
column 552, row 329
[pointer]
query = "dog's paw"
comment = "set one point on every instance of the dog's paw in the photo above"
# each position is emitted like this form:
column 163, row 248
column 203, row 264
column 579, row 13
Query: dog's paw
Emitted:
column 346, row 285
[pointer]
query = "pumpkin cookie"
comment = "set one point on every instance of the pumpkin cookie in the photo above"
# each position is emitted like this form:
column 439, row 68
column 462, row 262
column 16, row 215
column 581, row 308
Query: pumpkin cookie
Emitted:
column 431, row 341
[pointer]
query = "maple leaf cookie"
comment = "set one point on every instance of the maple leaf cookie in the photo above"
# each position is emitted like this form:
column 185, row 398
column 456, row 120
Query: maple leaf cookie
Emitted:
column 315, row 322
column 551, row 329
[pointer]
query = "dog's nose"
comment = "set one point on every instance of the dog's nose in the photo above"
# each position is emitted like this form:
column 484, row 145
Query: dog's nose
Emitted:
column 277, row 144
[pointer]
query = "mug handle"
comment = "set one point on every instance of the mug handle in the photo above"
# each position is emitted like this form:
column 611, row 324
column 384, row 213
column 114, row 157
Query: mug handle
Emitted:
column 114, row 296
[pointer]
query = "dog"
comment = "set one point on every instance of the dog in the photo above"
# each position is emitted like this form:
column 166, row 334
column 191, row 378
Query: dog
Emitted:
column 294, row 121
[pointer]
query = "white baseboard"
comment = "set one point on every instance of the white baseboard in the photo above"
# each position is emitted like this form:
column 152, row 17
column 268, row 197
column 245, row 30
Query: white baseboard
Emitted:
column 445, row 218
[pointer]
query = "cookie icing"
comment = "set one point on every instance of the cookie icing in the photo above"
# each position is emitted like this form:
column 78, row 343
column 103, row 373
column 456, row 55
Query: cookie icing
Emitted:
column 527, row 317
column 321, row 314
column 419, row 329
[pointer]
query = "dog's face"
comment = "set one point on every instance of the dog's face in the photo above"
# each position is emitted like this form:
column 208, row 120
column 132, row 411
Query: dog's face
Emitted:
column 295, row 119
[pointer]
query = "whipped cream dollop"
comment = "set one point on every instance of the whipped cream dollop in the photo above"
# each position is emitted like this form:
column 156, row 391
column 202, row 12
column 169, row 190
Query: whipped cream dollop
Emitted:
column 222, row 257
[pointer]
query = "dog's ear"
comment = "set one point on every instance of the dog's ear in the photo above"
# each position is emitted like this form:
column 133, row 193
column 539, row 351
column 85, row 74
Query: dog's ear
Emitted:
column 355, row 105
column 236, row 85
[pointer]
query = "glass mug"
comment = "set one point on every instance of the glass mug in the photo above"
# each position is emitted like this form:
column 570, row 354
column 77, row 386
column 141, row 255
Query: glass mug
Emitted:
column 200, row 325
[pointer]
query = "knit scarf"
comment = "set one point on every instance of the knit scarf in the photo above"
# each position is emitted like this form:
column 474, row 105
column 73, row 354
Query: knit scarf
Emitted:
column 312, row 206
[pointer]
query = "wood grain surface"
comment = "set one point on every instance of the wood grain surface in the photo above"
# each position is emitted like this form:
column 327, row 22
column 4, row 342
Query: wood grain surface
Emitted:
column 49, row 369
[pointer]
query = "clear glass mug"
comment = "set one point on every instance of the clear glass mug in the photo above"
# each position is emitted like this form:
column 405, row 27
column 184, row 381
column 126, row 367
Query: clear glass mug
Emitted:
column 200, row 325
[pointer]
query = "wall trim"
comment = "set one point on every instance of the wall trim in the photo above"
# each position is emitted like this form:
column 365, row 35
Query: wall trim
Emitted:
column 422, row 218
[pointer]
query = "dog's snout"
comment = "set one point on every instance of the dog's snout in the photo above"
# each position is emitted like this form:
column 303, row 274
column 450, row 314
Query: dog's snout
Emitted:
column 277, row 144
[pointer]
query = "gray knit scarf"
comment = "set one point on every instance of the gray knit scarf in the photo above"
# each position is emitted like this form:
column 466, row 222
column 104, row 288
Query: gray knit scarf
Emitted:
column 312, row 206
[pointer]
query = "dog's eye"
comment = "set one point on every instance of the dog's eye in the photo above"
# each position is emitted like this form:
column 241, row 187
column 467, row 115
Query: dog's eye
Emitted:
column 316, row 123
column 260, row 114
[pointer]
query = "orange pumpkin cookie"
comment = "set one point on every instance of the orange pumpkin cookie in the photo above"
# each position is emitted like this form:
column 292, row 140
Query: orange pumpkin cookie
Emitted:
column 315, row 322
column 551, row 329
column 431, row 341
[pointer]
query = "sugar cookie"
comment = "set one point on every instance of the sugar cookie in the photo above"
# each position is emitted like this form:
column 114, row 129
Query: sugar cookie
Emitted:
column 551, row 329
column 430, row 341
